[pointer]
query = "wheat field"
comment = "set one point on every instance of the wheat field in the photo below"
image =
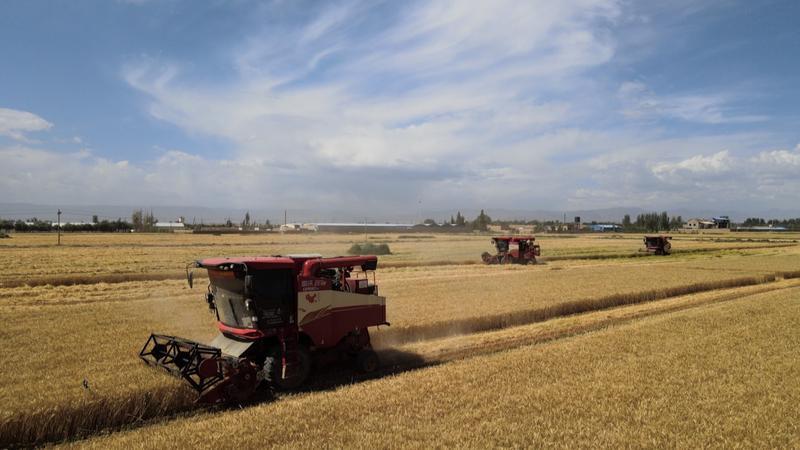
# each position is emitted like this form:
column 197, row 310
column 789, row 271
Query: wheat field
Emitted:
column 63, row 337
column 673, row 380
column 85, row 257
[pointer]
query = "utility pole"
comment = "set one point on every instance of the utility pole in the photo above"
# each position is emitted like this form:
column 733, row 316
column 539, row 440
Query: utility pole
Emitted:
column 59, row 226
column 284, row 217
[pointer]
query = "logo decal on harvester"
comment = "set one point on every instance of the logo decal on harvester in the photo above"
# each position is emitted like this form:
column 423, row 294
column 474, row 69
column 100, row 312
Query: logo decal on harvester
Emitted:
column 311, row 298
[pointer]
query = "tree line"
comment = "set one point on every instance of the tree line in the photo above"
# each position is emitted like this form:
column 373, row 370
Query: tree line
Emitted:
column 791, row 224
column 460, row 223
column 652, row 222
column 34, row 224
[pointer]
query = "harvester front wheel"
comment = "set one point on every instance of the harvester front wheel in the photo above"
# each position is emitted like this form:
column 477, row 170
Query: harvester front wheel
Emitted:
column 367, row 361
column 274, row 370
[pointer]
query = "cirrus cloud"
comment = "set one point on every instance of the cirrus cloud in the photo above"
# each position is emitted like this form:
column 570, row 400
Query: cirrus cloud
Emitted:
column 17, row 124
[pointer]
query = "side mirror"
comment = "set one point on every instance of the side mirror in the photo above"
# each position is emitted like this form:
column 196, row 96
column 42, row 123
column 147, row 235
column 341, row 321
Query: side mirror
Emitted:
column 190, row 273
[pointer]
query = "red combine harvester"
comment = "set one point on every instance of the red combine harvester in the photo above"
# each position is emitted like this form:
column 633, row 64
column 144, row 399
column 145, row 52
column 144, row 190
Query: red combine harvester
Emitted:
column 525, row 253
column 276, row 316
column 659, row 245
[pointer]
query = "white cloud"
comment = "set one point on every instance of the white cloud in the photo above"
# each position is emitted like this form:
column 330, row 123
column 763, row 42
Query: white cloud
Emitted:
column 717, row 163
column 16, row 124
column 457, row 82
column 457, row 103
column 640, row 102
column 783, row 159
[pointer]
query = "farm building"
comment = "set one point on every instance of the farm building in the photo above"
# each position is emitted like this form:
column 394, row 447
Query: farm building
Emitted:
column 291, row 228
column 699, row 224
column 721, row 222
column 716, row 223
column 361, row 227
column 169, row 226
column 604, row 227
column 762, row 228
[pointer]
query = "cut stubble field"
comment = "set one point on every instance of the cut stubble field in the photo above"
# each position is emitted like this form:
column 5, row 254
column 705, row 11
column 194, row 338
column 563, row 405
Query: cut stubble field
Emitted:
column 61, row 335
column 721, row 375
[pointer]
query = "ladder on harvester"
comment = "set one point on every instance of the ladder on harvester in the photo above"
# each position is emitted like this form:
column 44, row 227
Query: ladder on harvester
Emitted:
column 290, row 364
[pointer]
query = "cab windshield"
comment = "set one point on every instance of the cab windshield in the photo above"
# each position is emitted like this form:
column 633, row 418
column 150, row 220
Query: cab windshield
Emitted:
column 271, row 293
column 228, row 290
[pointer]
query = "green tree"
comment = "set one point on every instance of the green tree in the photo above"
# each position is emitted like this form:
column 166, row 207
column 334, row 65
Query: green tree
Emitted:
column 137, row 220
column 149, row 221
column 626, row 222
column 676, row 223
column 663, row 221
column 754, row 222
column 246, row 221
column 482, row 222
column 460, row 220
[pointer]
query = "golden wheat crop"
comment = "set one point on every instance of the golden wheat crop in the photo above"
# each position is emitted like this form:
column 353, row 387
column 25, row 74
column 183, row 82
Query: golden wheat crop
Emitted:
column 676, row 380
column 86, row 257
column 59, row 336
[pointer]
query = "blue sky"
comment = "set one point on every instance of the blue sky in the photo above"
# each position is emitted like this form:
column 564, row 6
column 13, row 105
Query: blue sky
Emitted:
column 380, row 105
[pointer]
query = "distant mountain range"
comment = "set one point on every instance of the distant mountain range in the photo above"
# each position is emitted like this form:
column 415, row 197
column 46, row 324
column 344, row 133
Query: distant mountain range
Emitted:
column 200, row 214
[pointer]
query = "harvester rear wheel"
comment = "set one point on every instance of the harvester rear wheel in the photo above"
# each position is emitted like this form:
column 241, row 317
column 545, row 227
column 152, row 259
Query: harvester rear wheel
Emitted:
column 367, row 360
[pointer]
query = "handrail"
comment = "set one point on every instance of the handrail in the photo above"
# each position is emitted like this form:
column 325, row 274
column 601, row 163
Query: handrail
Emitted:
column 312, row 266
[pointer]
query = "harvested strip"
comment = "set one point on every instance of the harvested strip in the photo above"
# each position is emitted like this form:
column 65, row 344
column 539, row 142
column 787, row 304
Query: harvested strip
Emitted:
column 411, row 333
column 675, row 380
column 457, row 347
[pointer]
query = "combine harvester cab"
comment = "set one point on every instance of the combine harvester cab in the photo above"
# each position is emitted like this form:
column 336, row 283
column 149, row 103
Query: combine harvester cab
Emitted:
column 658, row 245
column 276, row 316
column 525, row 253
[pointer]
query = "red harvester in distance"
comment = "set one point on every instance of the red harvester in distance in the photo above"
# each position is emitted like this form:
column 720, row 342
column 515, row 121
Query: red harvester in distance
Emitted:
column 276, row 315
column 525, row 253
column 659, row 244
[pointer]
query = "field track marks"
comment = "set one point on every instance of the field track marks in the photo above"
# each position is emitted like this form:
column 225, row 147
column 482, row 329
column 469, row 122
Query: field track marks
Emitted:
column 401, row 335
column 450, row 349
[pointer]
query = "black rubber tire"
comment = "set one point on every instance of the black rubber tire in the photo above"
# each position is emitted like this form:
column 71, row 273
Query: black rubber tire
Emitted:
column 367, row 361
column 272, row 369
